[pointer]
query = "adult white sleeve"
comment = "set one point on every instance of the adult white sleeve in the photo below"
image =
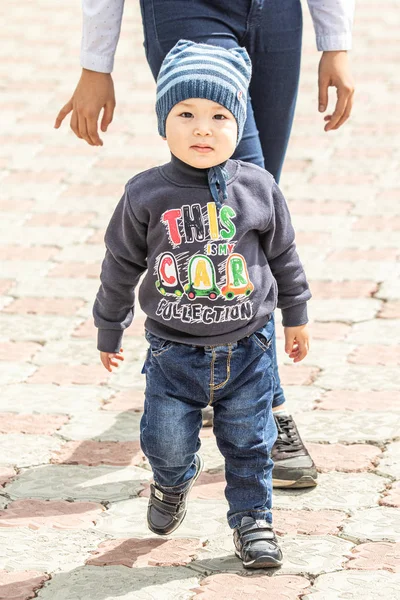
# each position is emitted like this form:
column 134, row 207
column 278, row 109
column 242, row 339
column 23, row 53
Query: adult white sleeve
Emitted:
column 101, row 27
column 333, row 23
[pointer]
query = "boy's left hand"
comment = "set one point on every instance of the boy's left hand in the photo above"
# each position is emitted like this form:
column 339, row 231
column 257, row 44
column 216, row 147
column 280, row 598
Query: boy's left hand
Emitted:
column 108, row 359
column 297, row 342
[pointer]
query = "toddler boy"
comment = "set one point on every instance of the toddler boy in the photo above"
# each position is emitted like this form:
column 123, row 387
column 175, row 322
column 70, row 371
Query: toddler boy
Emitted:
column 216, row 239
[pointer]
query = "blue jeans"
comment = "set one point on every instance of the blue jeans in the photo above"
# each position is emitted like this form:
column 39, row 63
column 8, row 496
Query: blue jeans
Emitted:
column 271, row 32
column 238, row 380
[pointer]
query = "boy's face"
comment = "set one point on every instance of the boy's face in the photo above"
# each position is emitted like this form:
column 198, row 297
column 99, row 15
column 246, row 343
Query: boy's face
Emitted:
column 201, row 132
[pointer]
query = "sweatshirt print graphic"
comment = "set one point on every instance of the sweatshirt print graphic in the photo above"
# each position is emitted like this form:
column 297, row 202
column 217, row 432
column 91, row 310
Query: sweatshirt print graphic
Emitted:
column 211, row 275
column 215, row 272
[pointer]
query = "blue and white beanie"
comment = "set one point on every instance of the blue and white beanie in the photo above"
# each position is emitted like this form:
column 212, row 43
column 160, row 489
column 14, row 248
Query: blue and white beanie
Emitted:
column 192, row 70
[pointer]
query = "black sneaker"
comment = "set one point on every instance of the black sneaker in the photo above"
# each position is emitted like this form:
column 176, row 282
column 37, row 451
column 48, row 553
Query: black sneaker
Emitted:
column 166, row 510
column 293, row 466
column 256, row 544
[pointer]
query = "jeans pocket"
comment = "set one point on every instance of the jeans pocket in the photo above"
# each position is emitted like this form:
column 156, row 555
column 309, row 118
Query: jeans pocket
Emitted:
column 157, row 345
column 263, row 337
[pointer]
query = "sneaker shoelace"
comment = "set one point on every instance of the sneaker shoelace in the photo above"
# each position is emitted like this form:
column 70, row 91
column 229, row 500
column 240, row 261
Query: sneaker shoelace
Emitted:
column 288, row 439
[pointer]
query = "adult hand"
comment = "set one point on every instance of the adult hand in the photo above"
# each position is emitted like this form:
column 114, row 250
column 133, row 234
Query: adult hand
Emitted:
column 93, row 92
column 334, row 70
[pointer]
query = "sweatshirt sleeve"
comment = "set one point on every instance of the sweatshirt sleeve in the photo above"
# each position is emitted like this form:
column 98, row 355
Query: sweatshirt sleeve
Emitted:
column 278, row 243
column 124, row 262
column 333, row 23
column 101, row 27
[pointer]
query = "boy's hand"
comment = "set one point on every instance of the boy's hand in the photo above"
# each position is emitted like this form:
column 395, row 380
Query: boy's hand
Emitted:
column 296, row 342
column 108, row 359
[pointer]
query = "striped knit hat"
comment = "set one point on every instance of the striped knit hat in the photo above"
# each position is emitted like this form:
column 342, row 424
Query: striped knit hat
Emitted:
column 193, row 70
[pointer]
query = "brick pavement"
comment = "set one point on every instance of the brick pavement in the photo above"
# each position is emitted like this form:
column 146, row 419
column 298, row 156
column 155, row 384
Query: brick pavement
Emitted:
column 73, row 481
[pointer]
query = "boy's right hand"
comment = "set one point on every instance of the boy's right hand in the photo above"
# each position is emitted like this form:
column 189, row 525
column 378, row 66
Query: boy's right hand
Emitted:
column 93, row 92
column 108, row 359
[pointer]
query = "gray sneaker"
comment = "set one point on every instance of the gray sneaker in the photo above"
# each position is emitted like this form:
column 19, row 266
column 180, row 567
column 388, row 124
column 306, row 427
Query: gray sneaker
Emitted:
column 167, row 510
column 293, row 466
column 256, row 544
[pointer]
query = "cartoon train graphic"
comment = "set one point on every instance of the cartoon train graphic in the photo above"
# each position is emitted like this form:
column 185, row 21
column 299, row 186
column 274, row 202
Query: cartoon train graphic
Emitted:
column 237, row 278
column 201, row 276
column 168, row 276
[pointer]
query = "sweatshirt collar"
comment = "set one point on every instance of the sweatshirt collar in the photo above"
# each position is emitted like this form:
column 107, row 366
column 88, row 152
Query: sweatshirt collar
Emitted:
column 182, row 173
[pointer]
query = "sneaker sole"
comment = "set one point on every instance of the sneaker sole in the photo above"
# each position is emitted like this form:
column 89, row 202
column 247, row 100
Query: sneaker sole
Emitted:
column 304, row 482
column 199, row 470
column 263, row 562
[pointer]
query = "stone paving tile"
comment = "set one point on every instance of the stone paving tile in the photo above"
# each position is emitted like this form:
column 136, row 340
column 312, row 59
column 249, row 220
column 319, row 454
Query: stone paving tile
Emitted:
column 14, row 372
column 368, row 585
column 213, row 459
column 115, row 583
column 376, row 354
column 351, row 310
column 44, row 306
column 77, row 374
column 392, row 496
column 18, row 351
column 129, row 518
column 63, row 288
column 6, row 475
column 132, row 400
column 92, row 454
column 353, row 400
column 14, row 252
column 60, row 514
column 21, row 585
column 76, row 270
column 23, row 450
column 390, row 310
column 335, row 491
column 307, row 522
column 36, row 328
column 373, row 556
column 5, row 285
column 321, row 354
column 49, row 399
column 333, row 331
column 72, row 351
column 371, row 332
column 390, row 463
column 345, row 426
column 54, row 236
column 360, row 377
column 337, row 457
column 31, row 424
column 26, row 549
column 221, row 586
column 103, row 426
column 137, row 552
column 373, row 525
column 297, row 374
column 78, row 482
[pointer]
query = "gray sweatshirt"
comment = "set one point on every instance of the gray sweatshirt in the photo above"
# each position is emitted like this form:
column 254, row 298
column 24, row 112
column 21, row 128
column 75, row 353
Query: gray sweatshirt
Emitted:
column 213, row 275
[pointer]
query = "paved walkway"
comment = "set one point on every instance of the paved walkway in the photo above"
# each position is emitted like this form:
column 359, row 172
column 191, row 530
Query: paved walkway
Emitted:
column 72, row 476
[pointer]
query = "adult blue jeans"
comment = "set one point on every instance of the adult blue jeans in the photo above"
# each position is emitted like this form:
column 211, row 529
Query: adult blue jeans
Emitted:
column 271, row 32
column 238, row 381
